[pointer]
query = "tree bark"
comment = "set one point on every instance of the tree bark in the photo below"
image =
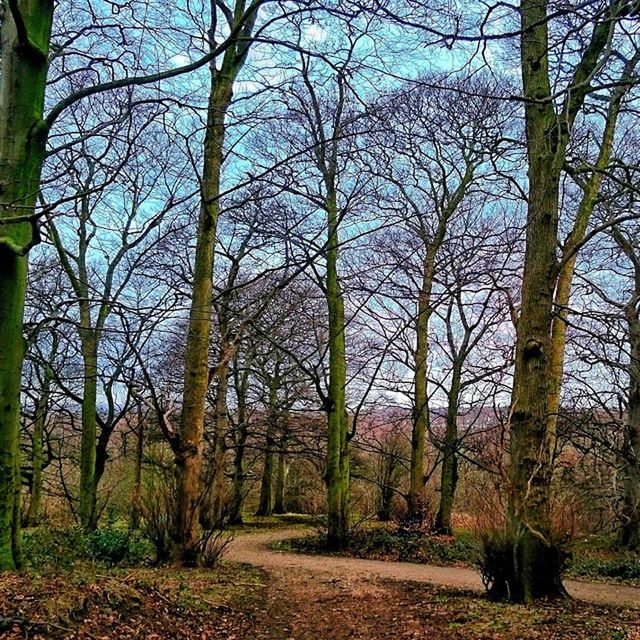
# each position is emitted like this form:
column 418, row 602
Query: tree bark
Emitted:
column 37, row 456
column 281, row 480
column 337, row 467
column 449, row 471
column 196, row 374
column 537, row 562
column 265, row 506
column 25, row 35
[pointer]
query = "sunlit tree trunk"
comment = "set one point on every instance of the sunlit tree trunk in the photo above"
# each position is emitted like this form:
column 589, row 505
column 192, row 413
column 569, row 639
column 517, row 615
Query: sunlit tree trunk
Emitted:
column 25, row 34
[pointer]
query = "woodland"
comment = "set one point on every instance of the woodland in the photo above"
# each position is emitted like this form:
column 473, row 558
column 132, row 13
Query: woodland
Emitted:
column 319, row 319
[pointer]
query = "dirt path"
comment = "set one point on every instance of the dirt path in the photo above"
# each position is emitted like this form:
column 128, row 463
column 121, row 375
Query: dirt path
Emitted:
column 254, row 549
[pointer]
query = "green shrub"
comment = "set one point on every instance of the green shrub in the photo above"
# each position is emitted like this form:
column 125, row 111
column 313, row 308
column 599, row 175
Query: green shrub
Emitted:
column 626, row 567
column 116, row 546
column 54, row 549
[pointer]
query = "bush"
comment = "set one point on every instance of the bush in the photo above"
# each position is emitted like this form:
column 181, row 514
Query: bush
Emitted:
column 116, row 546
column 53, row 549
column 625, row 567
column 56, row 549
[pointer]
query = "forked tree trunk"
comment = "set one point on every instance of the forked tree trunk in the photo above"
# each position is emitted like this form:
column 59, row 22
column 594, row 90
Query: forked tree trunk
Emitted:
column 536, row 561
column 25, row 34
column 416, row 500
column 189, row 446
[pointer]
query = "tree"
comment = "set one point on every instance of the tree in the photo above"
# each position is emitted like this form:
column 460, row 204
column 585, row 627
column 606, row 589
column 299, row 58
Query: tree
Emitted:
column 25, row 33
column 440, row 156
column 241, row 20
column 536, row 560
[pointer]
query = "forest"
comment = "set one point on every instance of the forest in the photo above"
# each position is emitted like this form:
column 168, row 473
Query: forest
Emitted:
column 319, row 319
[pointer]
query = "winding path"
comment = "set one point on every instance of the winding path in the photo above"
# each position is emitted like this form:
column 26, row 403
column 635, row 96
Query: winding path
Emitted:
column 253, row 548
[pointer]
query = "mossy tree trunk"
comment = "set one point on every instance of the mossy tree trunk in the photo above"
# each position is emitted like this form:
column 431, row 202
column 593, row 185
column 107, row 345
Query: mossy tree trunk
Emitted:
column 591, row 190
column 189, row 444
column 337, row 471
column 25, row 34
column 536, row 559
column 630, row 531
column 337, row 467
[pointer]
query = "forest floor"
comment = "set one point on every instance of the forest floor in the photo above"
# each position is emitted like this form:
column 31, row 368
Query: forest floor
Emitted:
column 261, row 594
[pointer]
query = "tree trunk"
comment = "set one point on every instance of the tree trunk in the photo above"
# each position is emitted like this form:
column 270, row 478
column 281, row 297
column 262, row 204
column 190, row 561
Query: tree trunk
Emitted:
column 570, row 254
column 416, row 499
column 265, row 506
column 219, row 495
column 281, row 480
column 536, row 558
column 630, row 535
column 87, row 490
column 337, row 466
column 449, row 472
column 241, row 382
column 136, row 494
column 23, row 72
column 196, row 373
column 37, row 457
